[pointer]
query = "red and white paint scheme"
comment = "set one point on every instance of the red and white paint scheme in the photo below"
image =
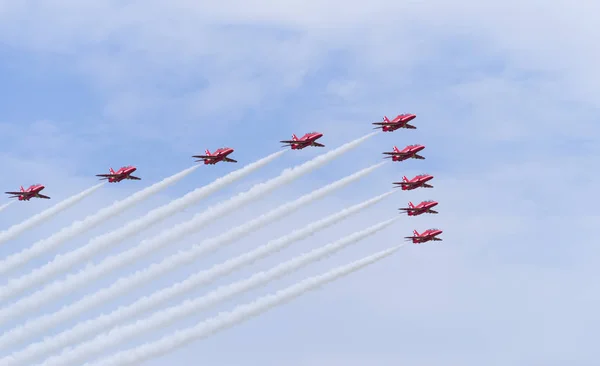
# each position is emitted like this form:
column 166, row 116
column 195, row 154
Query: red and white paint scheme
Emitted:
column 414, row 183
column 401, row 121
column 421, row 208
column 121, row 174
column 309, row 139
column 26, row 194
column 215, row 157
column 425, row 236
column 409, row 152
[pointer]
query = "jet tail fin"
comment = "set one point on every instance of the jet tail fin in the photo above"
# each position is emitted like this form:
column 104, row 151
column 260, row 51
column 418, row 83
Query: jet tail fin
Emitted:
column 416, row 232
column 207, row 152
column 396, row 149
column 22, row 189
column 112, row 171
column 385, row 119
column 294, row 137
column 404, row 179
column 410, row 204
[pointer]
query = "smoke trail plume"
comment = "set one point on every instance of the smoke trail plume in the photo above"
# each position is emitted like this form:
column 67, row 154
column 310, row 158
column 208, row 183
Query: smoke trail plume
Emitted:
column 4, row 206
column 125, row 284
column 242, row 313
column 166, row 317
column 145, row 304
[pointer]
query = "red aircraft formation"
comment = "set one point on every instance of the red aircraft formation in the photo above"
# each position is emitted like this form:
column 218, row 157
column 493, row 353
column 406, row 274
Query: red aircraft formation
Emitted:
column 419, row 181
column 309, row 139
column 124, row 173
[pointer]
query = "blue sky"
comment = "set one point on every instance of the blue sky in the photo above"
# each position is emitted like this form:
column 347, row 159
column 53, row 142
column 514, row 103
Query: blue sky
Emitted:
column 506, row 103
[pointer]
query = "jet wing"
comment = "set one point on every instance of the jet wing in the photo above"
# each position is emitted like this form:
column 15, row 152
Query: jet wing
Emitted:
column 385, row 123
column 427, row 185
column 417, row 156
column 133, row 178
column 17, row 193
column 399, row 155
column 318, row 144
column 43, row 196
column 107, row 175
column 290, row 142
column 229, row 160
column 203, row 157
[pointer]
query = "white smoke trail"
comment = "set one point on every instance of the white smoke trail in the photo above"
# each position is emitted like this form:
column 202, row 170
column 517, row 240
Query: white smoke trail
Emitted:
column 18, row 229
column 78, row 227
column 95, row 245
column 125, row 284
column 4, row 206
column 145, row 304
column 224, row 320
column 174, row 234
column 166, row 317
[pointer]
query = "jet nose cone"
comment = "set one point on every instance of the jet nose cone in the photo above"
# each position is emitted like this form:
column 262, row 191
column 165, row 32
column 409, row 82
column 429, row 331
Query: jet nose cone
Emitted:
column 319, row 135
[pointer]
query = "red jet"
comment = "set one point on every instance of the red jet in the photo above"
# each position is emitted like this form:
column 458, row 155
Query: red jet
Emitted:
column 425, row 236
column 401, row 121
column 217, row 156
column 308, row 139
column 409, row 152
column 416, row 182
column 421, row 208
column 121, row 174
column 29, row 193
